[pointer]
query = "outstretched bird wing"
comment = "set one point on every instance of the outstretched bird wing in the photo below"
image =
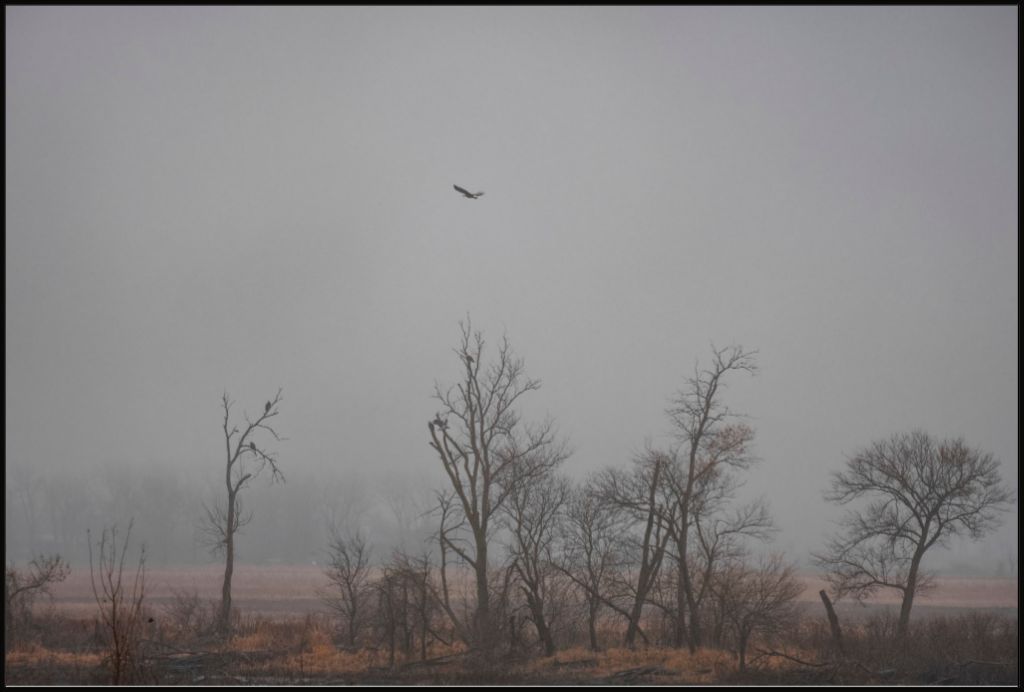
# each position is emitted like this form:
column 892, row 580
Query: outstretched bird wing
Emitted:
column 467, row 193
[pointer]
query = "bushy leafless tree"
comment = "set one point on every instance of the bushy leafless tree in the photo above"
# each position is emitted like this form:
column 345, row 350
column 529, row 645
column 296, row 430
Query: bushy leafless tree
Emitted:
column 920, row 493
column 120, row 603
column 483, row 445
column 187, row 617
column 721, row 539
column 245, row 460
column 22, row 587
column 406, row 606
column 757, row 600
column 349, row 572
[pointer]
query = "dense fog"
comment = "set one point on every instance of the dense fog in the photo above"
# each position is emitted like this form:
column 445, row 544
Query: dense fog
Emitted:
column 211, row 200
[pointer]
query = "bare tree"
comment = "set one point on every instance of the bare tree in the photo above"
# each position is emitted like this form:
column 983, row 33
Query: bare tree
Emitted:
column 482, row 446
column 246, row 459
column 22, row 587
column 709, row 445
column 758, row 600
column 639, row 497
column 348, row 570
column 534, row 511
column 720, row 538
column 120, row 604
column 406, row 606
column 920, row 493
column 591, row 547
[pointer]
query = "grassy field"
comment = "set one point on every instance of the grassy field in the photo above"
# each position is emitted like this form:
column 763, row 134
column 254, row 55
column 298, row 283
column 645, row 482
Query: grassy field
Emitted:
column 963, row 631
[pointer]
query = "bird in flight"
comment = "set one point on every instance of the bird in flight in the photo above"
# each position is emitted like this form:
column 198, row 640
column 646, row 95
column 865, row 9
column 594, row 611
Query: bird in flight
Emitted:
column 467, row 193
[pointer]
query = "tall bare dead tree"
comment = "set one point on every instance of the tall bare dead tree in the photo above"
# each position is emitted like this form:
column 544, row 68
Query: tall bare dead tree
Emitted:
column 710, row 444
column 245, row 459
column 921, row 493
column 483, row 445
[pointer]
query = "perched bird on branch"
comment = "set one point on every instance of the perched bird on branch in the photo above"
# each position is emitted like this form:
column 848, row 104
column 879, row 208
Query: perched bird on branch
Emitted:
column 252, row 446
column 467, row 193
column 266, row 409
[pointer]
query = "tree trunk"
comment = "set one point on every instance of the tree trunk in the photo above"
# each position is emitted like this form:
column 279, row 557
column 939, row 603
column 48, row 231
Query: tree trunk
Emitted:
column 691, row 603
column 484, row 631
column 683, row 542
column 592, row 625
column 424, row 620
column 543, row 631
column 634, row 622
column 908, row 596
column 833, row 621
column 679, row 635
column 229, row 567
column 544, row 634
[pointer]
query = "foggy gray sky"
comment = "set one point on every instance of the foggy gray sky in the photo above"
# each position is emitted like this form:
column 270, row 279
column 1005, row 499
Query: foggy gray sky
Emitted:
column 247, row 198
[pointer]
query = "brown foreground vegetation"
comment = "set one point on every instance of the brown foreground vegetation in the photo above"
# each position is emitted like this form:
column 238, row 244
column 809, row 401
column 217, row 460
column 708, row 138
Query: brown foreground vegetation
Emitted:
column 947, row 645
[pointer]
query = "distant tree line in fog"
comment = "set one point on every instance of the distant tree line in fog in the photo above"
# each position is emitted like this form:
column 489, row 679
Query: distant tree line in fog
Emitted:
column 48, row 511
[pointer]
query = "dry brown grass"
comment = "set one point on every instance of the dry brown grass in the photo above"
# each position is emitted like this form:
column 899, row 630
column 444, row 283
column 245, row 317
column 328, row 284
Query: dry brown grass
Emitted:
column 37, row 665
column 677, row 666
column 41, row 656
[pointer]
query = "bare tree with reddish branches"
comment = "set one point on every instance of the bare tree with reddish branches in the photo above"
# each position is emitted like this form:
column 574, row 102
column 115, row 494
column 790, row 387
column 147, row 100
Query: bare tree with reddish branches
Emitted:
column 710, row 444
